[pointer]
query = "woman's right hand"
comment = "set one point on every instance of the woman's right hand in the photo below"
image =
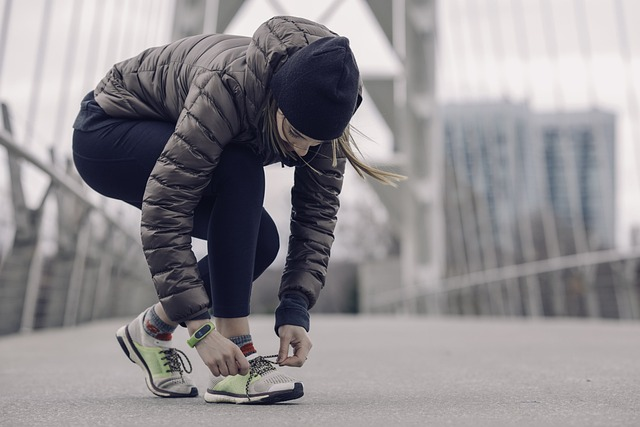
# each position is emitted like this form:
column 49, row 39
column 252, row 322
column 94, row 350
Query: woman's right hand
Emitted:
column 221, row 356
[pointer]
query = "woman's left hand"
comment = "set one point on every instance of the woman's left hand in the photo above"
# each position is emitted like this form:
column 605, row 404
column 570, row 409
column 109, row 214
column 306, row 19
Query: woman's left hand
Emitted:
column 298, row 339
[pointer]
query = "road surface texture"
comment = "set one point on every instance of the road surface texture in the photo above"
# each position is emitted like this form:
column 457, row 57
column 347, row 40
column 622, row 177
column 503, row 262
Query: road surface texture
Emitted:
column 362, row 371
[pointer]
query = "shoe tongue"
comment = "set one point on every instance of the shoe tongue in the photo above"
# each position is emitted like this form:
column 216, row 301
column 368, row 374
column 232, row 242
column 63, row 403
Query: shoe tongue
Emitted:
column 162, row 343
column 149, row 341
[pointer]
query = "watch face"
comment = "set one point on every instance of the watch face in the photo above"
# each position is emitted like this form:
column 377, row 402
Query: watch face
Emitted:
column 202, row 331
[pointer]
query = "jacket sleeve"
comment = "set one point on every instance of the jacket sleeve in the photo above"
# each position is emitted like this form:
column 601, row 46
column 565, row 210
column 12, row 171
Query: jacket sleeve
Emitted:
column 177, row 182
column 315, row 204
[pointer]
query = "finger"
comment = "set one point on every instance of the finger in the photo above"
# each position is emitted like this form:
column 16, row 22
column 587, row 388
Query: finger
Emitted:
column 243, row 369
column 214, row 370
column 294, row 361
column 232, row 360
column 302, row 350
column 284, row 348
column 300, row 354
column 242, row 363
column 224, row 371
column 232, row 366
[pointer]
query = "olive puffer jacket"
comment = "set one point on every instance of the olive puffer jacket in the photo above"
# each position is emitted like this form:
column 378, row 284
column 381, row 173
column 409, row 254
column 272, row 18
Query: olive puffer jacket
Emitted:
column 214, row 87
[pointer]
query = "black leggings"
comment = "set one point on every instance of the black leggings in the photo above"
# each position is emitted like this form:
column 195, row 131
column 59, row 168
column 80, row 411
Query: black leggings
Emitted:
column 242, row 240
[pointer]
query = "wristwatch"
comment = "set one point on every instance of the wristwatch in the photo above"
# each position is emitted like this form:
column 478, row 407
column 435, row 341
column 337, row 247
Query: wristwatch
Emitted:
column 199, row 334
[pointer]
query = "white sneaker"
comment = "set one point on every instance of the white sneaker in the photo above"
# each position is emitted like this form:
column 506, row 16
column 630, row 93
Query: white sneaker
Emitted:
column 164, row 367
column 263, row 384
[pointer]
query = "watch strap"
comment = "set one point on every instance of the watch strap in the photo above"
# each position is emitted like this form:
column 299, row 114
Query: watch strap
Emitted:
column 201, row 333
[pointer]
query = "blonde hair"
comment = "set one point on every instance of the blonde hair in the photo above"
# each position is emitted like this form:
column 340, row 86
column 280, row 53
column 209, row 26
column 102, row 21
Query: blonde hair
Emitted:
column 344, row 142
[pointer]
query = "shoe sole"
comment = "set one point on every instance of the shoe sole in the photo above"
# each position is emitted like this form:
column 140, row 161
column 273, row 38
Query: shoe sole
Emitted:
column 127, row 345
column 258, row 399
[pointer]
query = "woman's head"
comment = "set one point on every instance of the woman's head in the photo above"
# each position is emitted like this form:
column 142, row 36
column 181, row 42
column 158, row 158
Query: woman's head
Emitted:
column 291, row 142
column 296, row 141
column 317, row 88
column 314, row 96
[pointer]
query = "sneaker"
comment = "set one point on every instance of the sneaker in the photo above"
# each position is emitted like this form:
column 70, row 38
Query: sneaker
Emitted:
column 164, row 367
column 263, row 384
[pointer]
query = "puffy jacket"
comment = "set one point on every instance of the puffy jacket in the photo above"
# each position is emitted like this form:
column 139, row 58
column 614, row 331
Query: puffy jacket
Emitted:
column 214, row 87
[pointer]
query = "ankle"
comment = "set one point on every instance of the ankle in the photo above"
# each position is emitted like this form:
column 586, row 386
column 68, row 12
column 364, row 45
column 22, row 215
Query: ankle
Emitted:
column 155, row 327
column 159, row 310
column 245, row 342
column 232, row 327
column 248, row 349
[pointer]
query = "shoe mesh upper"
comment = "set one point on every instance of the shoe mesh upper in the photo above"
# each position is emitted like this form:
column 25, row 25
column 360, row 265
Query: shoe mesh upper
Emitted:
column 167, row 366
column 262, row 376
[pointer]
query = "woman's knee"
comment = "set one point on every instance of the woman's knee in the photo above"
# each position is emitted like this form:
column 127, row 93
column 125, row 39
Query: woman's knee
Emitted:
column 268, row 244
column 270, row 247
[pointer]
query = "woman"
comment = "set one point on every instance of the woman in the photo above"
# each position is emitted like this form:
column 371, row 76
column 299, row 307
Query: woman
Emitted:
column 183, row 132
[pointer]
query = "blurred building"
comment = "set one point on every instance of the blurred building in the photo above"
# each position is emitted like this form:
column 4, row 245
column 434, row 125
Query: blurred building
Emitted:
column 521, row 186
column 579, row 149
column 484, row 147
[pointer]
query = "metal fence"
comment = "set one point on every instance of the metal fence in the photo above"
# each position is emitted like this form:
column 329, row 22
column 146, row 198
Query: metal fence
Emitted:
column 603, row 284
column 89, row 267
column 66, row 255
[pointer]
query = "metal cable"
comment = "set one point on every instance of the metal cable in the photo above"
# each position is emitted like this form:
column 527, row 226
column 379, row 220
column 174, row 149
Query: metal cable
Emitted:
column 151, row 16
column 115, row 22
column 522, row 46
column 552, row 245
column 496, row 38
column 507, row 232
column 124, row 13
column 550, row 41
column 605, row 164
column 478, row 46
column 136, row 27
column 451, row 72
column 584, row 42
column 279, row 8
column 37, row 80
column 94, row 42
column 465, row 45
column 330, row 10
column 518, row 192
column 67, row 70
column 631, row 92
column 4, row 33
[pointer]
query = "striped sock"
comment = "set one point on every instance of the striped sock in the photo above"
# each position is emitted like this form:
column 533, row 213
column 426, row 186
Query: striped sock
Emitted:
column 245, row 342
column 156, row 327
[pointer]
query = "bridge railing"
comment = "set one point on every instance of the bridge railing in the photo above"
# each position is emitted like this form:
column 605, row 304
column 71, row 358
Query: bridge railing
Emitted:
column 68, row 261
column 604, row 284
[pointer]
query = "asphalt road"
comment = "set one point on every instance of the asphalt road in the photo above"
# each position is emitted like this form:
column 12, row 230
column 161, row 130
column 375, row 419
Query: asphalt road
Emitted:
column 362, row 371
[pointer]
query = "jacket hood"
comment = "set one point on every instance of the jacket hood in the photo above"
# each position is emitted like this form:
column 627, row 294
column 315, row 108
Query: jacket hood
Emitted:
column 270, row 47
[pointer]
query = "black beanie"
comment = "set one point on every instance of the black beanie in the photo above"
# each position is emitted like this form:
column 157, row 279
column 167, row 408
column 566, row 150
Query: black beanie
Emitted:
column 317, row 88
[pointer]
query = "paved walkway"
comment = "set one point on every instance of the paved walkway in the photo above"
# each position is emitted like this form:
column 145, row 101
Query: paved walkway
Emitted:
column 363, row 371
